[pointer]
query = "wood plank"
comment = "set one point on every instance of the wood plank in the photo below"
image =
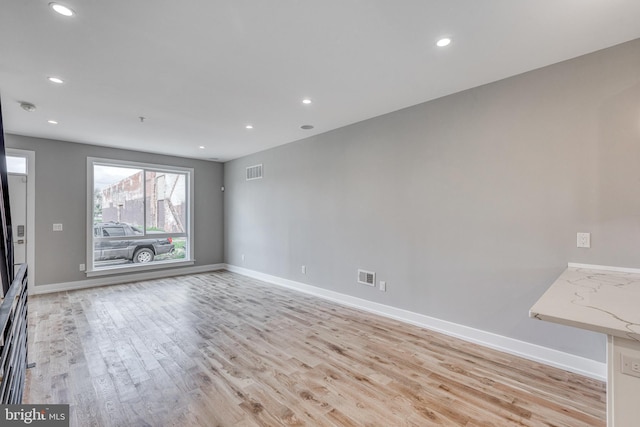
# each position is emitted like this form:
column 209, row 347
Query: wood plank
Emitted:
column 222, row 349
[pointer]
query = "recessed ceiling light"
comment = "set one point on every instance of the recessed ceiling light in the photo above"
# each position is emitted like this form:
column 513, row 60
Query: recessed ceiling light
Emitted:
column 445, row 41
column 62, row 10
column 56, row 80
column 306, row 127
column 53, row 122
column 306, row 101
column 201, row 147
column 249, row 127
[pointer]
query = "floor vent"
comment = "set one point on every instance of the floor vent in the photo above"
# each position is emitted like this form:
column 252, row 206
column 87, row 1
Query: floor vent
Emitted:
column 254, row 172
column 367, row 277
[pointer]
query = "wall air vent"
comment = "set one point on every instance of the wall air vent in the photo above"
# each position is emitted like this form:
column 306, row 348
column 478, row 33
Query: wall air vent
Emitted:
column 254, row 172
column 367, row 277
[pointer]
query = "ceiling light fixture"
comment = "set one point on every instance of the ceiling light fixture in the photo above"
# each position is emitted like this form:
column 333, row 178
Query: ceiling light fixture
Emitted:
column 57, row 80
column 62, row 10
column 306, row 101
column 445, row 41
column 53, row 122
column 27, row 106
column 201, row 147
column 248, row 127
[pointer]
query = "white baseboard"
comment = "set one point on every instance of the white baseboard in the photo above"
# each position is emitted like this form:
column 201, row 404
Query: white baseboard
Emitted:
column 569, row 362
column 125, row 278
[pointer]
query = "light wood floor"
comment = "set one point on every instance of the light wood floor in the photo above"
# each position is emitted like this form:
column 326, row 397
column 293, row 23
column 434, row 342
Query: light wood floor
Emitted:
column 220, row 349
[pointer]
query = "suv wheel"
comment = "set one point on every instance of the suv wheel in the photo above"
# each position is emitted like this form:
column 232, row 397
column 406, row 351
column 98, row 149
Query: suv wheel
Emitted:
column 143, row 255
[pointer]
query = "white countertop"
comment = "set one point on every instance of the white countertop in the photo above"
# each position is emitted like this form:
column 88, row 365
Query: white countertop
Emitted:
column 597, row 300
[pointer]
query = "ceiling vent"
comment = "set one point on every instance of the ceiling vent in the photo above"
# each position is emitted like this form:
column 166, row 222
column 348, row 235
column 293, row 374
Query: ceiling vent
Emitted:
column 254, row 172
column 367, row 277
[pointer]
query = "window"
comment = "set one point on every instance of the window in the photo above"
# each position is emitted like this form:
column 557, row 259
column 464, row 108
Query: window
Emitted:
column 16, row 164
column 139, row 216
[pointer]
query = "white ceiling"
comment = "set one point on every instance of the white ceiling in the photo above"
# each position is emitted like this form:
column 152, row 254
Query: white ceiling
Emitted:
column 200, row 70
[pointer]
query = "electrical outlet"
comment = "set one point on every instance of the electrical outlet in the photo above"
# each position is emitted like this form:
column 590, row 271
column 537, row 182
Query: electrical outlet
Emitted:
column 81, row 267
column 242, row 256
column 630, row 365
column 303, row 269
column 57, row 227
column 584, row 240
column 383, row 286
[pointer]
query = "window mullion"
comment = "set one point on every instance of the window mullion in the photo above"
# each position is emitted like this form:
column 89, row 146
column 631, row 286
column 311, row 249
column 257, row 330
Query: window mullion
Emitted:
column 144, row 202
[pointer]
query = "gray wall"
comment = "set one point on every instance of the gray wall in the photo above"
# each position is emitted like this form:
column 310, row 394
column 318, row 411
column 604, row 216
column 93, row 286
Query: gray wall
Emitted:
column 468, row 205
column 61, row 197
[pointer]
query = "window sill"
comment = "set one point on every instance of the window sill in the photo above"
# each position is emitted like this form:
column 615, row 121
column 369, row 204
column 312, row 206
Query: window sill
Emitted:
column 130, row 268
